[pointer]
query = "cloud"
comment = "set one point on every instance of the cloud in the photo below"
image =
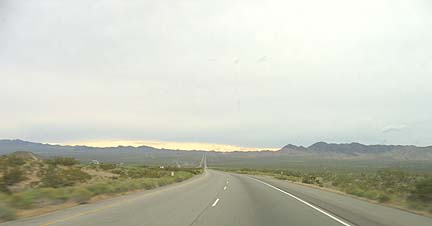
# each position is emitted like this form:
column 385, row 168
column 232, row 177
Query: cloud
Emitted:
column 393, row 128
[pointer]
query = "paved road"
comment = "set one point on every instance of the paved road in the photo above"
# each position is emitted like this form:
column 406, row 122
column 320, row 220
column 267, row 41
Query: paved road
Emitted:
column 219, row 198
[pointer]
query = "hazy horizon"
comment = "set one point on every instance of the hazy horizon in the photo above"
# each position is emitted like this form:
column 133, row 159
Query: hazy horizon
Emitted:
column 198, row 145
column 187, row 146
column 245, row 73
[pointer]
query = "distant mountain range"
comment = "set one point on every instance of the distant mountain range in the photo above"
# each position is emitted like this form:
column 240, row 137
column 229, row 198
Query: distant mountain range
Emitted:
column 361, row 151
column 150, row 155
column 142, row 154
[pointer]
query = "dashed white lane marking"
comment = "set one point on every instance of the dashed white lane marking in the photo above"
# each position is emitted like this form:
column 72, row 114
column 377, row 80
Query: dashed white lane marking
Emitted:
column 225, row 187
column 215, row 202
column 306, row 203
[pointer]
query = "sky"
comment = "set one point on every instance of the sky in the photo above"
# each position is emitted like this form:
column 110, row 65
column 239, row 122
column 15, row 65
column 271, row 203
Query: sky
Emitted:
column 246, row 73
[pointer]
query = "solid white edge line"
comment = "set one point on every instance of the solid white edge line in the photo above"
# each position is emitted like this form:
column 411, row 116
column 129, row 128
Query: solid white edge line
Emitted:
column 306, row 203
column 215, row 202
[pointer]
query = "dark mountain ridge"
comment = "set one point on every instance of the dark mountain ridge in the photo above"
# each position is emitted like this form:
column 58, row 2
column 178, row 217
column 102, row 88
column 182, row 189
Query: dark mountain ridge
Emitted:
column 150, row 155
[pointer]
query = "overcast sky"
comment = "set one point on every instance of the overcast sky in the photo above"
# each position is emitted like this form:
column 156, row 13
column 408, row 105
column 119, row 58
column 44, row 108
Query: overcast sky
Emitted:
column 249, row 72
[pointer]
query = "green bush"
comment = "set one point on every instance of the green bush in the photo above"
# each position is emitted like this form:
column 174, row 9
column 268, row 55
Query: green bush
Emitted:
column 25, row 200
column 100, row 188
column 423, row 190
column 6, row 213
column 383, row 198
column 107, row 166
column 64, row 161
column 150, row 184
column 3, row 187
column 309, row 180
column 81, row 195
column 64, row 177
column 136, row 173
column 57, row 195
column 39, row 197
column 46, row 196
column 13, row 176
column 121, row 172
column 12, row 160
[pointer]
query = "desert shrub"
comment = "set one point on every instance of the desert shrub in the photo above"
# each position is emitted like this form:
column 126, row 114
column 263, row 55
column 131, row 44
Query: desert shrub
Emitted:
column 194, row 171
column 13, row 176
column 120, row 171
column 64, row 177
column 370, row 194
column 81, row 195
column 117, row 171
column 309, row 180
column 423, row 190
column 134, row 184
column 12, row 160
column 3, row 187
column 124, row 187
column 136, row 172
column 24, row 200
column 149, row 184
column 416, row 205
column 107, row 166
column 3, row 164
column 6, row 213
column 100, row 188
column 46, row 196
column 280, row 177
column 64, row 161
column 383, row 198
column 355, row 191
column 39, row 197
column 56, row 195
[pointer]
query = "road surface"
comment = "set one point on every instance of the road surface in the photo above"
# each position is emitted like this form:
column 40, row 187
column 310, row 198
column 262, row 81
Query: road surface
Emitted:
column 219, row 198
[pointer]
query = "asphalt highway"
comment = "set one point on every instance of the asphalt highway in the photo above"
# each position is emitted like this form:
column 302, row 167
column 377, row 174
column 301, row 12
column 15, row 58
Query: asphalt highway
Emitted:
column 220, row 198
